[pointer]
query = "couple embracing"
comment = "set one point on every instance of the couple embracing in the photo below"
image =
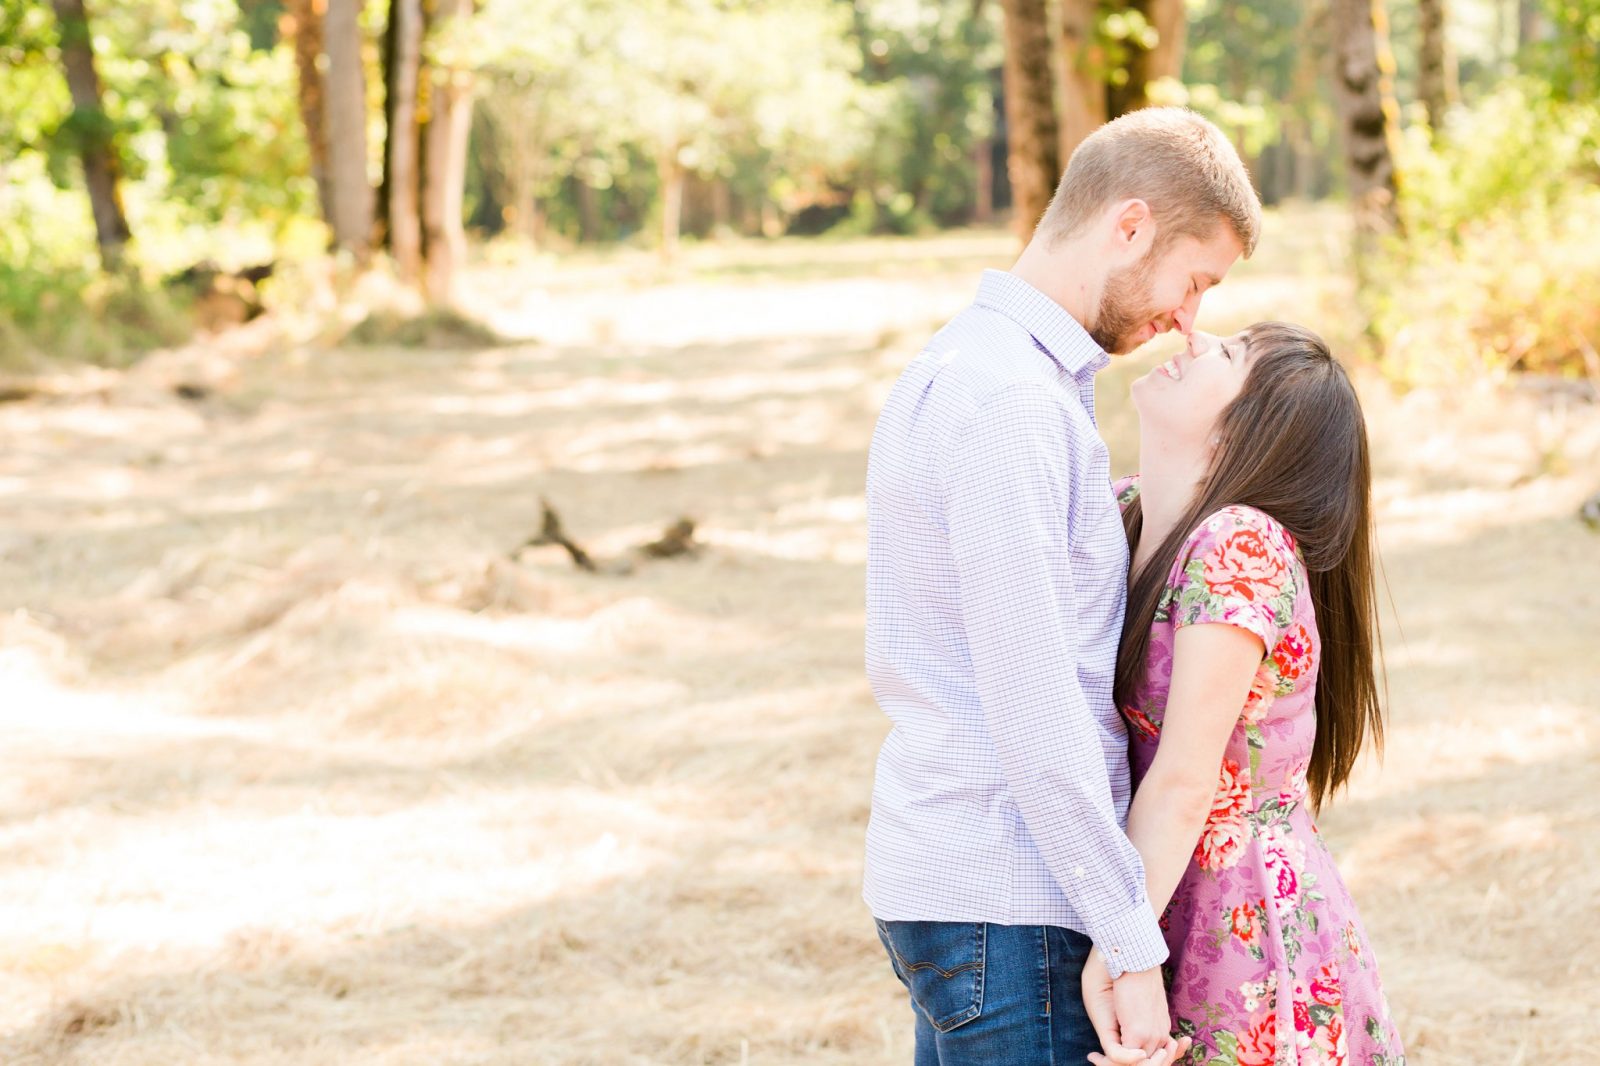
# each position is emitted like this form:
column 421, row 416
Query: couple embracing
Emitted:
column 1117, row 707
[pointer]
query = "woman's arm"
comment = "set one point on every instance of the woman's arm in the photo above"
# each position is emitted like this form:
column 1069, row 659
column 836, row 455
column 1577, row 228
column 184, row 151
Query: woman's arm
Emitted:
column 1213, row 665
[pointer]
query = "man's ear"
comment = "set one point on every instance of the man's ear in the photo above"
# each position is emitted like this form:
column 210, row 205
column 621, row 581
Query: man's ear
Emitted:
column 1133, row 223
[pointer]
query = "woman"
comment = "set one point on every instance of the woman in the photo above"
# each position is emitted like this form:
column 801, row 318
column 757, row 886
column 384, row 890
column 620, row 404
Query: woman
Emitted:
column 1249, row 645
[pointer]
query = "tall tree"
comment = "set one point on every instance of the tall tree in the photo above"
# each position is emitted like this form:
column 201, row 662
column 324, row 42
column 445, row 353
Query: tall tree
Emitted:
column 1032, row 134
column 306, row 19
column 1437, row 81
column 345, row 120
column 1364, row 89
column 89, row 124
column 1083, row 83
column 1530, row 22
column 447, row 126
column 1167, row 22
column 402, row 146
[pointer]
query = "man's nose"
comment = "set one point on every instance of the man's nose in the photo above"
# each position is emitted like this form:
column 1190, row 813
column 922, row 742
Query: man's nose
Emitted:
column 1184, row 316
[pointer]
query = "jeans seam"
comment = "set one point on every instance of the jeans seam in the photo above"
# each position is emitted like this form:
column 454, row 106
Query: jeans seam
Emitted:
column 1049, row 1000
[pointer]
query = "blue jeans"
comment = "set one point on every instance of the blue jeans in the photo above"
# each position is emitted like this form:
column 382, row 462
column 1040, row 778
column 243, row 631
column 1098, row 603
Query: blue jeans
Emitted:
column 993, row 995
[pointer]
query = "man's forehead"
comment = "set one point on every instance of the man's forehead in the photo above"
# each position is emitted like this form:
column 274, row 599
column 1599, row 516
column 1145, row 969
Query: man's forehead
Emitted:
column 1212, row 257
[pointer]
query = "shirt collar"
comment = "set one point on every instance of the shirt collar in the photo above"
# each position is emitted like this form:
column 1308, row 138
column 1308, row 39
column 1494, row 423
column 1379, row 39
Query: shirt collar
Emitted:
column 1057, row 333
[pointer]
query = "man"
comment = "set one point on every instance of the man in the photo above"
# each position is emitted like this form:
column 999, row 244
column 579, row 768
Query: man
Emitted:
column 996, row 580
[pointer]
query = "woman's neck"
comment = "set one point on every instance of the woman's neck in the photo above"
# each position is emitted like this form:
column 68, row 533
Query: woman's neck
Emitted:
column 1168, row 481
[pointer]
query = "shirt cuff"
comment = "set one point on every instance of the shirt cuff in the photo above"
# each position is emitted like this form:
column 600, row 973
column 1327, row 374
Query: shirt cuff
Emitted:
column 1131, row 942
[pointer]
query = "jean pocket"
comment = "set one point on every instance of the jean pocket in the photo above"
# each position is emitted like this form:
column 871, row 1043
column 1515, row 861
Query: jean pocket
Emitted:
column 941, row 964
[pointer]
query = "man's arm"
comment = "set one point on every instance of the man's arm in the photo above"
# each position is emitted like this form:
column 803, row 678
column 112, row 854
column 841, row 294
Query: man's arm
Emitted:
column 1007, row 487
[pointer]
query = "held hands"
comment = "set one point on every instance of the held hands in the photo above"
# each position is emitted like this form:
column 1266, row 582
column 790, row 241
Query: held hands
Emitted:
column 1130, row 1016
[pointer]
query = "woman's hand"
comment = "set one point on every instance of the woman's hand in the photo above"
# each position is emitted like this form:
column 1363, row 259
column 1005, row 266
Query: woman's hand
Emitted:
column 1133, row 991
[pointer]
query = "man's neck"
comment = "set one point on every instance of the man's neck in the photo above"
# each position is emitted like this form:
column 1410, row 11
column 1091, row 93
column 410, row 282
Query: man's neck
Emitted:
column 1063, row 274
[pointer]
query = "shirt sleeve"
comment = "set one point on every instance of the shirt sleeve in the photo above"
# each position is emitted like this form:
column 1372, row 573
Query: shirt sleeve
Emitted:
column 1008, row 486
column 1239, row 570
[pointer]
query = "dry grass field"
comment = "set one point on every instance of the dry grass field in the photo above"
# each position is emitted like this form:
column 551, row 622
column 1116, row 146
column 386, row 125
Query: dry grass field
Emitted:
column 305, row 762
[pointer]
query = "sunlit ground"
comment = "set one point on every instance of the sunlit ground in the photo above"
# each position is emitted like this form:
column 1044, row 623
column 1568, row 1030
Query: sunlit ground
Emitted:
column 305, row 763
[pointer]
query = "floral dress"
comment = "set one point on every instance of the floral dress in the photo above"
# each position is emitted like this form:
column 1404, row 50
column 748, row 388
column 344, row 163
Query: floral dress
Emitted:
column 1270, row 965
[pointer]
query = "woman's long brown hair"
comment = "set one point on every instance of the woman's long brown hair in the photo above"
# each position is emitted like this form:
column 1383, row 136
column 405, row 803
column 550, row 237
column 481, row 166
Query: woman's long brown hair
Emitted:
column 1293, row 444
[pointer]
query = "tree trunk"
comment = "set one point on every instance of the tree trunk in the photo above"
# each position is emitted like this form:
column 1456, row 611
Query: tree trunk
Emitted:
column 306, row 16
column 400, row 178
column 1311, row 44
column 672, row 176
column 444, row 171
column 721, row 207
column 1171, row 22
column 1530, row 23
column 1437, row 80
column 345, row 119
column 1364, row 89
column 1165, row 60
column 1033, row 158
column 983, row 181
column 1083, row 82
column 588, row 210
column 101, row 171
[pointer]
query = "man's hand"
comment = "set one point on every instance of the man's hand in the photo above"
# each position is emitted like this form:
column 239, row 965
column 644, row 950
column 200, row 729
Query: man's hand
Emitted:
column 1129, row 1016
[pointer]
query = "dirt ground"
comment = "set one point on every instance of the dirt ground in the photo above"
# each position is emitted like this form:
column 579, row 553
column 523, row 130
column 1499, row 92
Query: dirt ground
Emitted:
column 305, row 762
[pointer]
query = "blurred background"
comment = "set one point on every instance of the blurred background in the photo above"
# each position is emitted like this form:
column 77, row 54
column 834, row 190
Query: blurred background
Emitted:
column 432, row 442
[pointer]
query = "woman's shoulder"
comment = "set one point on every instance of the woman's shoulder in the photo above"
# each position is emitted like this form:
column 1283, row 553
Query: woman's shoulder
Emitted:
column 1239, row 568
column 1247, row 528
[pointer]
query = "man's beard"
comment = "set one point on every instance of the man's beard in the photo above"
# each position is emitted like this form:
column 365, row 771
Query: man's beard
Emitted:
column 1124, row 306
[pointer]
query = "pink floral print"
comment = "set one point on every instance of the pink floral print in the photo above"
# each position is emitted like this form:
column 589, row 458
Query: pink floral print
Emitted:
column 1269, row 964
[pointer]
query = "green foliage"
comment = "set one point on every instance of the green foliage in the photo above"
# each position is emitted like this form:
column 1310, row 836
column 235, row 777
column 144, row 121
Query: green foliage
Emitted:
column 211, row 149
column 1497, row 271
column 934, row 72
column 801, row 116
column 54, row 301
column 1568, row 57
column 758, row 95
column 1252, row 68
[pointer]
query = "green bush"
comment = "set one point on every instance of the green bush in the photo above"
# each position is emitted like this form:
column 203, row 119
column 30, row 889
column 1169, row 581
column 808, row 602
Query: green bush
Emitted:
column 1497, row 268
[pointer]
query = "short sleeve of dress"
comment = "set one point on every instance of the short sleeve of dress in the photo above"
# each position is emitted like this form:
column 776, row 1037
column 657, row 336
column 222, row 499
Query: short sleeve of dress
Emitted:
column 1238, row 568
column 1125, row 489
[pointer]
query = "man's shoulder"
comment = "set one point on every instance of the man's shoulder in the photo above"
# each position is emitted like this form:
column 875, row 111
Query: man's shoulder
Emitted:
column 988, row 330
column 981, row 354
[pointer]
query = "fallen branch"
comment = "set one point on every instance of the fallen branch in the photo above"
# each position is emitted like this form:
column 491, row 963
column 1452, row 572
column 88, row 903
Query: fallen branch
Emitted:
column 678, row 539
column 551, row 532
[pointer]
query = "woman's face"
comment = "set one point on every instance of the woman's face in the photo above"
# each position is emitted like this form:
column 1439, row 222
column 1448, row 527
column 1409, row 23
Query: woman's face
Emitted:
column 1180, row 401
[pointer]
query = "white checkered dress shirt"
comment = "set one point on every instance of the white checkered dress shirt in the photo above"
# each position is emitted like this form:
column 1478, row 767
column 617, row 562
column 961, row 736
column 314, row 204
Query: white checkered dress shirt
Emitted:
column 996, row 580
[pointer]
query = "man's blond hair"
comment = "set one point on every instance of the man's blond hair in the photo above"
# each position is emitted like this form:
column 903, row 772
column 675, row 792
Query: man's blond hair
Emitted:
column 1172, row 159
